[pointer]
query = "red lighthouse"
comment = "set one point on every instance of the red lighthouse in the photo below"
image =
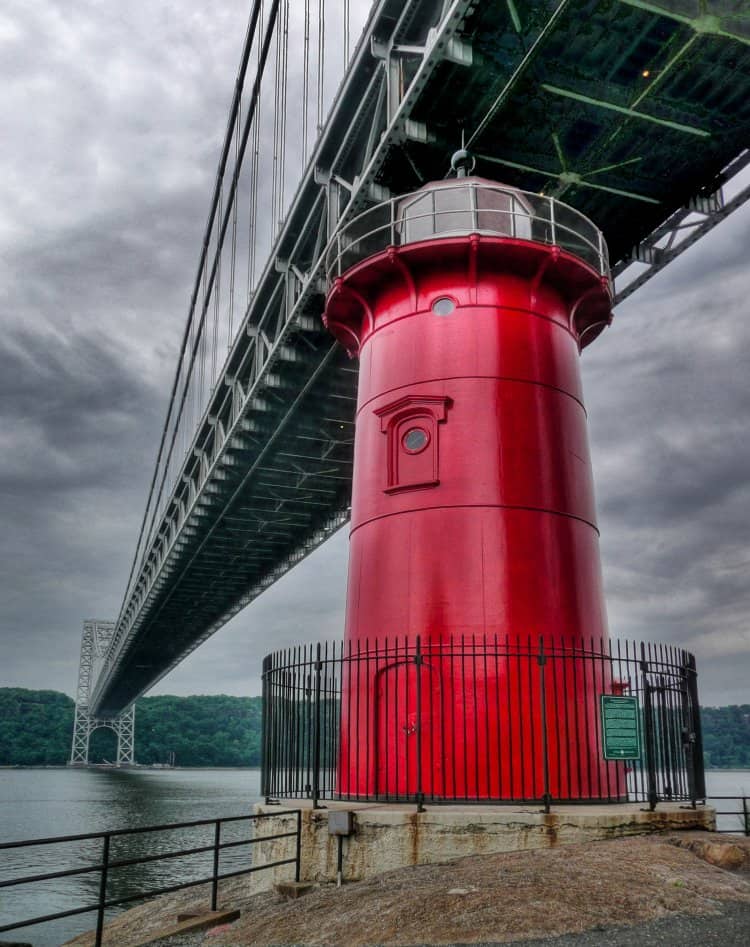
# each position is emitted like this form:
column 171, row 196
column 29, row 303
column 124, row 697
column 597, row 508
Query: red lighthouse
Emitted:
column 467, row 304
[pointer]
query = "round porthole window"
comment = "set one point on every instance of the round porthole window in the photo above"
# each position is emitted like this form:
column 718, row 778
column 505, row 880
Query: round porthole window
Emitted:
column 443, row 306
column 415, row 440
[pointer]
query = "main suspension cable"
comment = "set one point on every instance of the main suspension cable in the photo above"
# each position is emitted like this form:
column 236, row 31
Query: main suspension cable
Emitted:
column 189, row 327
column 227, row 213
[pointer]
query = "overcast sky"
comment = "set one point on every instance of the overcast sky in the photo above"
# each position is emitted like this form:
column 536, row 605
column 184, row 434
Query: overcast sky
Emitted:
column 112, row 118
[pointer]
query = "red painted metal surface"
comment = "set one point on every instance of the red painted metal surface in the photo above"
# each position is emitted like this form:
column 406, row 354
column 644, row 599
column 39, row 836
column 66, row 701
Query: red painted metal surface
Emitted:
column 473, row 502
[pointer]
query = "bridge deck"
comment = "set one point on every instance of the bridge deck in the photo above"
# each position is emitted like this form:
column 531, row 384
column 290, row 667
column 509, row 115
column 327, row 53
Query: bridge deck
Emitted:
column 628, row 110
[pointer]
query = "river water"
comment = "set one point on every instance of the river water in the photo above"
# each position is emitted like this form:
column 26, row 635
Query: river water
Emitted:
column 39, row 803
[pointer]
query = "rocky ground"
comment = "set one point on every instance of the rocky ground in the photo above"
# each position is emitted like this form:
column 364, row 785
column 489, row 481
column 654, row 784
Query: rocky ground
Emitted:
column 669, row 890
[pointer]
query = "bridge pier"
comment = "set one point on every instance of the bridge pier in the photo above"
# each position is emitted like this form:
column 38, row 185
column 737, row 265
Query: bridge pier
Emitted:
column 85, row 724
column 95, row 640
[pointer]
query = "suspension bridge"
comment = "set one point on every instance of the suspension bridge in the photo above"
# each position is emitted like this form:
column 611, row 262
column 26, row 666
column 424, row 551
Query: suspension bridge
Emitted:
column 635, row 113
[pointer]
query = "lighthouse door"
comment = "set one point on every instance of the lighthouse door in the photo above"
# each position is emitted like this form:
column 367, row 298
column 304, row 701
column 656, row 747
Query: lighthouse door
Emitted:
column 407, row 696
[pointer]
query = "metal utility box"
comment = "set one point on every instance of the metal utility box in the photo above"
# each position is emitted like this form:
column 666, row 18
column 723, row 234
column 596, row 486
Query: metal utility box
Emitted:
column 340, row 822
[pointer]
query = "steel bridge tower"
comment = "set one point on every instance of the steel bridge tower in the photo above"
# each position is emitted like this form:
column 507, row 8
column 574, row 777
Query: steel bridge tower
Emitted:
column 96, row 638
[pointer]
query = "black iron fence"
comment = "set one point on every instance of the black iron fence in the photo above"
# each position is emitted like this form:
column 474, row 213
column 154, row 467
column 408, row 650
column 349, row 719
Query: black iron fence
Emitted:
column 736, row 818
column 490, row 719
column 111, row 861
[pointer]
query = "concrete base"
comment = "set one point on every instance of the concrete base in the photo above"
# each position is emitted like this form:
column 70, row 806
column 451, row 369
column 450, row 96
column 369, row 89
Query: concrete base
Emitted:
column 396, row 836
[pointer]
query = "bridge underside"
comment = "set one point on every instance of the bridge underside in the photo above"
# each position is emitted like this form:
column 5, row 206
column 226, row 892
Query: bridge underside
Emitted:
column 630, row 111
column 283, row 485
column 622, row 113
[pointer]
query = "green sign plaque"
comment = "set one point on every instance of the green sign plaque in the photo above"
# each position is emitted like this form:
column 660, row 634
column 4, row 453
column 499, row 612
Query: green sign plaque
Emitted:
column 621, row 728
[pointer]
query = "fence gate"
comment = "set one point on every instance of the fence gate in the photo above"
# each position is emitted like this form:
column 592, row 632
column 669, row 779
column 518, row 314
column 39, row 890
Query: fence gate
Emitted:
column 674, row 745
column 406, row 694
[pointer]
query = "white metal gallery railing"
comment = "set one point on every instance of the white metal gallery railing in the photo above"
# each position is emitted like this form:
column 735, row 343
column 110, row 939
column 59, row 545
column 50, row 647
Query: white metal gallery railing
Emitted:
column 462, row 207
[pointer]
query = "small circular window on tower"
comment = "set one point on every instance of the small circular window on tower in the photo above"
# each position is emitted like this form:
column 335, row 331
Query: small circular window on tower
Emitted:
column 443, row 306
column 415, row 440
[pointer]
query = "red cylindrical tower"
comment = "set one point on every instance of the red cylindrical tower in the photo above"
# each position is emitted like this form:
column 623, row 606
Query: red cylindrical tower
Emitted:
column 467, row 304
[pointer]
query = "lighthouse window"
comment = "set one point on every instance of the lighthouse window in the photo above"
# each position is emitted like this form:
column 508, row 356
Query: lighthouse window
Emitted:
column 443, row 306
column 415, row 440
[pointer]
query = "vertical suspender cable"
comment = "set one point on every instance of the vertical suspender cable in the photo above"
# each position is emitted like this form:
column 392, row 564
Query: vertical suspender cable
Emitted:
column 217, row 309
column 253, row 232
column 321, row 59
column 202, row 348
column 276, row 126
column 253, row 211
column 283, row 109
column 346, row 33
column 189, row 327
column 191, row 413
column 234, row 231
column 305, row 80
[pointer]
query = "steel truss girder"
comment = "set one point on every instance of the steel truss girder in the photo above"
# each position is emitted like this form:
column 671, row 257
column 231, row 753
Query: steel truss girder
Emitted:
column 683, row 229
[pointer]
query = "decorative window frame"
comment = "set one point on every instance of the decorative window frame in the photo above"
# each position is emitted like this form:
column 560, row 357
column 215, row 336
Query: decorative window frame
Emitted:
column 425, row 411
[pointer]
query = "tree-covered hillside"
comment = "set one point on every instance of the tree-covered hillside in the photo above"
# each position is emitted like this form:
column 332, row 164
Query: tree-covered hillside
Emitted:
column 36, row 729
column 201, row 731
column 726, row 736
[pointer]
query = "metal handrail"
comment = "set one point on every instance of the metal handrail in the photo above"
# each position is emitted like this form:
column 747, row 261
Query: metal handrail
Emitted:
column 534, row 217
column 742, row 813
column 106, row 863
